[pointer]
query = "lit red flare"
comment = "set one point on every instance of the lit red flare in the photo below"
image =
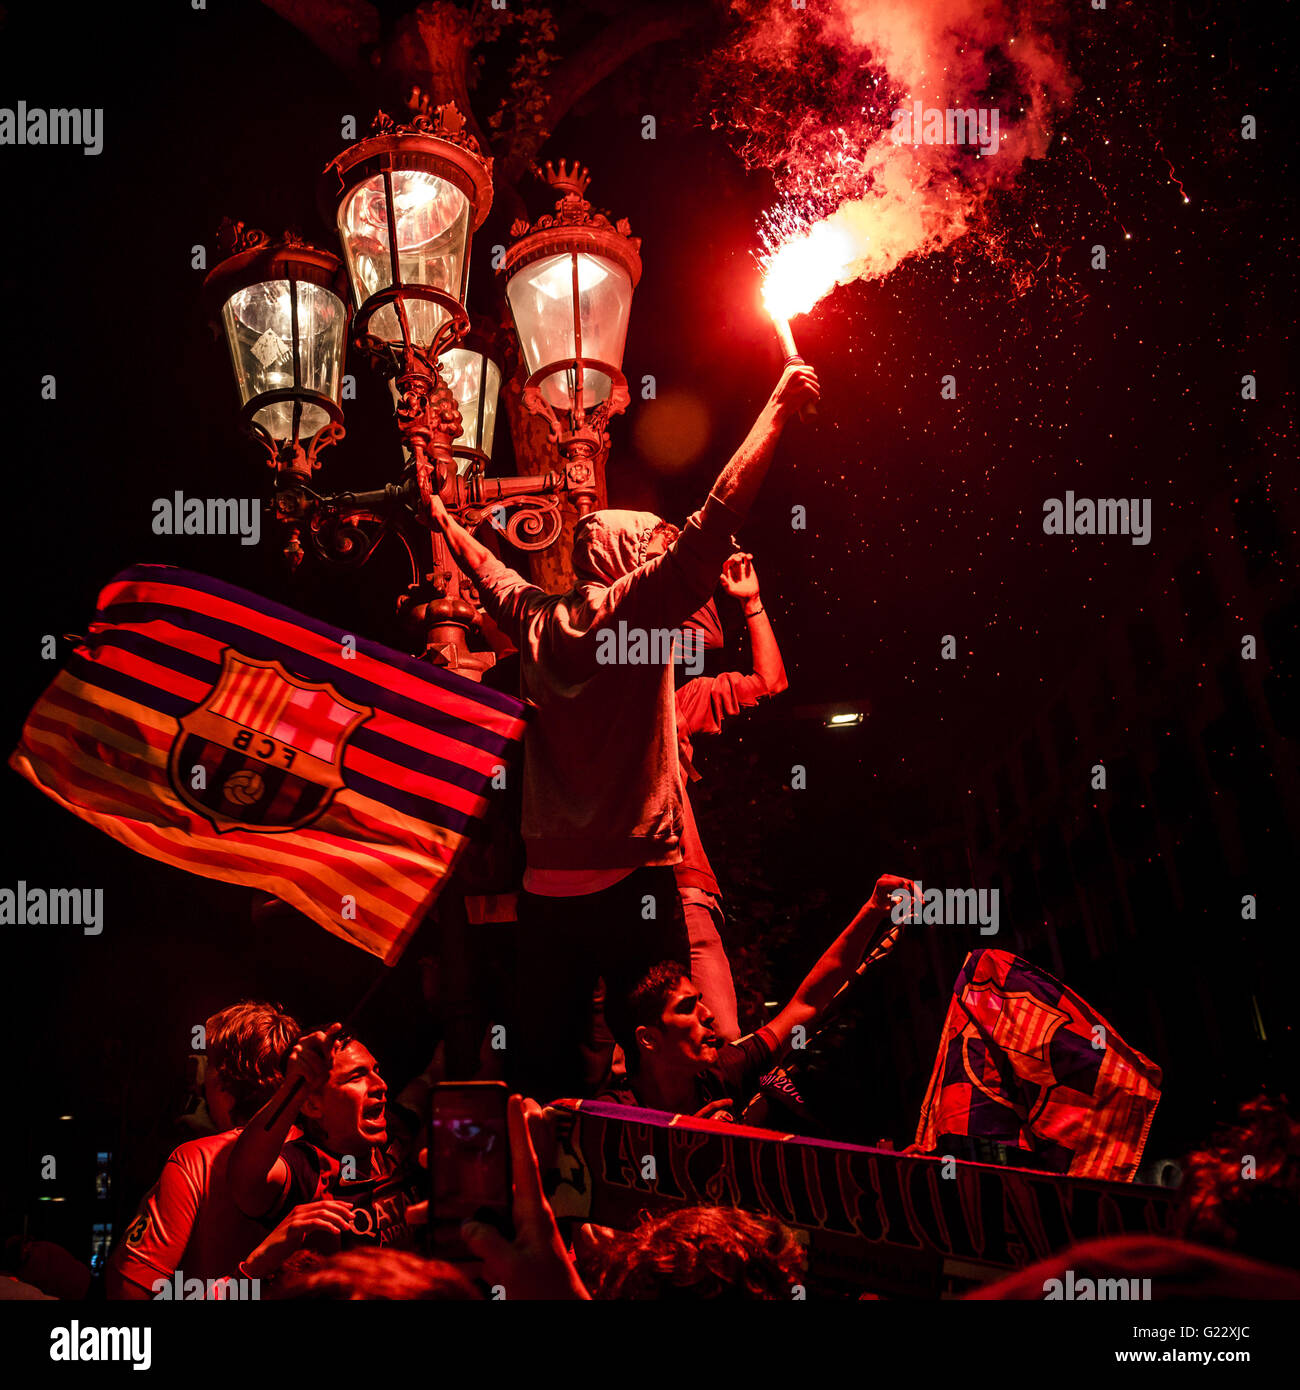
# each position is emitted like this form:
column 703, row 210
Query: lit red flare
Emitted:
column 804, row 268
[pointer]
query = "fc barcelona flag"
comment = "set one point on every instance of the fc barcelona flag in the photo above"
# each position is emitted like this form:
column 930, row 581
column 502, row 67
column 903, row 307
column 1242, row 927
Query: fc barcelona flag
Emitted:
column 235, row 738
column 1026, row 1061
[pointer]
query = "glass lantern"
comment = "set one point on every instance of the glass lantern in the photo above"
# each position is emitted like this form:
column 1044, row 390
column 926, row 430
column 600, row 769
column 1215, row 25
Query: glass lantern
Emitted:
column 406, row 202
column 569, row 282
column 427, row 219
column 572, row 308
column 263, row 323
column 286, row 329
column 475, row 381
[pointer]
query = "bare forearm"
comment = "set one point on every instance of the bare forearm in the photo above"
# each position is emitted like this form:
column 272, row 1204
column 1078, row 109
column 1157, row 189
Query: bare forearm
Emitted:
column 823, row 981
column 768, row 666
column 257, row 1149
column 465, row 550
column 468, row 553
column 739, row 482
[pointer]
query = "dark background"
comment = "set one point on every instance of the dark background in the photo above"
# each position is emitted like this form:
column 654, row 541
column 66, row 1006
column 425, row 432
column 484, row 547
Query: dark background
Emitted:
column 924, row 519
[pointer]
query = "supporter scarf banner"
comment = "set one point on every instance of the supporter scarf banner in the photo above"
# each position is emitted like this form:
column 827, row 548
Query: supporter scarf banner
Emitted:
column 224, row 734
column 897, row 1224
column 1025, row 1060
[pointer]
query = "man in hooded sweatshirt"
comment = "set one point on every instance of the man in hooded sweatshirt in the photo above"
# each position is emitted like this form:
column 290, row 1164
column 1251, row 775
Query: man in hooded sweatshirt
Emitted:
column 602, row 806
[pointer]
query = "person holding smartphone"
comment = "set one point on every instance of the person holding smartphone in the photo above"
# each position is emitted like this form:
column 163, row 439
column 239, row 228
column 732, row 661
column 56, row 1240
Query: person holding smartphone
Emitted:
column 529, row 1260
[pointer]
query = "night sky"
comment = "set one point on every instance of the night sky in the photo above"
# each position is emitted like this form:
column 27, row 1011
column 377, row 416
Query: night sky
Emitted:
column 924, row 514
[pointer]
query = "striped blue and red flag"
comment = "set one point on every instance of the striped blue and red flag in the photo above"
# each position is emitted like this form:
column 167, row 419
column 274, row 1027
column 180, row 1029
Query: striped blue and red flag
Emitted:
column 230, row 736
column 1026, row 1061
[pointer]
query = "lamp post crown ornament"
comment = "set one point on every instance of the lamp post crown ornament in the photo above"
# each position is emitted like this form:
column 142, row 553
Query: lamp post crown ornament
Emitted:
column 570, row 180
column 443, row 122
column 572, row 209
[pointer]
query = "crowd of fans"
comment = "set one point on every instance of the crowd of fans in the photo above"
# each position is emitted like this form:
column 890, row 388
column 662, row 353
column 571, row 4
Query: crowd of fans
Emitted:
column 280, row 1206
column 313, row 1182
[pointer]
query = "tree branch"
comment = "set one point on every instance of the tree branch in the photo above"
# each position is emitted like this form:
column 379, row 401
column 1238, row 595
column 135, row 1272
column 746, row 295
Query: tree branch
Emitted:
column 636, row 29
column 343, row 30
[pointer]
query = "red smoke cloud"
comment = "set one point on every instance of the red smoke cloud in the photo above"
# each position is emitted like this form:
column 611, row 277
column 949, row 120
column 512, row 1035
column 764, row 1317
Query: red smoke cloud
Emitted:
column 812, row 94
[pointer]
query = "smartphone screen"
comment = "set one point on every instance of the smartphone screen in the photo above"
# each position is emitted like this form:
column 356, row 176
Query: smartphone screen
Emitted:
column 469, row 1162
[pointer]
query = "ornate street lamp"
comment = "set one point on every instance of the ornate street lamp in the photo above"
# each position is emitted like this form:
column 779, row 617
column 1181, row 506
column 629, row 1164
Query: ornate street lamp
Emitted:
column 406, row 201
column 286, row 326
column 570, row 280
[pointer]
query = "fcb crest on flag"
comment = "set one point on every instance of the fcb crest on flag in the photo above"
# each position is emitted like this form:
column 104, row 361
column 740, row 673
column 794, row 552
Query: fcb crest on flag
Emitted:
column 264, row 751
column 231, row 737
